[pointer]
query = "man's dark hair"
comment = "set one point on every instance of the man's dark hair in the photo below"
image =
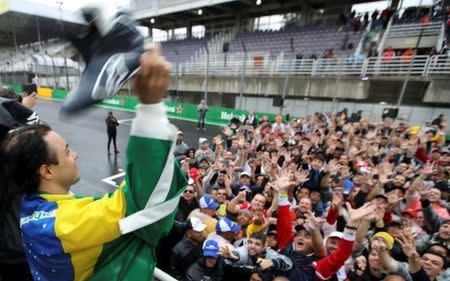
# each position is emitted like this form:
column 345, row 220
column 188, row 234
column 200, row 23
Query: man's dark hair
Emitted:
column 9, row 94
column 259, row 236
column 438, row 245
column 444, row 259
column 319, row 157
column 22, row 153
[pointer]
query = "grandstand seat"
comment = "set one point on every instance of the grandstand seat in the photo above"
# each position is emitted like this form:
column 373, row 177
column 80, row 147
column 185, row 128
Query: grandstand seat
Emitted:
column 308, row 39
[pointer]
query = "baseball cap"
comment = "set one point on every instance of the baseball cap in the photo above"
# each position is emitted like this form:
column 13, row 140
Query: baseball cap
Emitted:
column 245, row 188
column 227, row 225
column 409, row 211
column 195, row 224
column 211, row 249
column 203, row 158
column 245, row 174
column 207, row 202
column 179, row 133
column 394, row 222
column 202, row 140
column 336, row 234
column 194, row 173
column 246, row 212
column 272, row 229
column 300, row 227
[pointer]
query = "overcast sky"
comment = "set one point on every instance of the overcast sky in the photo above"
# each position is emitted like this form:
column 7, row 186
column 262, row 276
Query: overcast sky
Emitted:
column 74, row 5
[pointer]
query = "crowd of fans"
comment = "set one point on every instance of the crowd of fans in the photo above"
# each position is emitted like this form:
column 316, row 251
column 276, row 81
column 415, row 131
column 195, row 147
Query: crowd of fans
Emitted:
column 327, row 196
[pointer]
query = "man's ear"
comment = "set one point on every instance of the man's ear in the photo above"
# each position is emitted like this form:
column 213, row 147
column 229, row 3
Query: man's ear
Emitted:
column 45, row 172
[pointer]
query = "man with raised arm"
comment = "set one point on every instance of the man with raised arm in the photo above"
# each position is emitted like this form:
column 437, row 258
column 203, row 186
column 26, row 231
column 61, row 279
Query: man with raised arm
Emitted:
column 70, row 237
column 305, row 247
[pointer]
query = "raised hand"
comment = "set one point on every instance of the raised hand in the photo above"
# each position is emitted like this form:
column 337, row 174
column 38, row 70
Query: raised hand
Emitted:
column 302, row 176
column 241, row 143
column 384, row 179
column 408, row 243
column 242, row 195
column 333, row 166
column 428, row 169
column 283, row 181
column 393, row 198
column 152, row 82
column 337, row 201
column 227, row 252
column 367, row 211
column 264, row 263
column 313, row 222
column 30, row 100
column 378, row 246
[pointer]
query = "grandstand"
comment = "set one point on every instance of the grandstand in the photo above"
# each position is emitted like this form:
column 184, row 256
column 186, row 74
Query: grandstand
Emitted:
column 307, row 40
column 182, row 50
column 235, row 61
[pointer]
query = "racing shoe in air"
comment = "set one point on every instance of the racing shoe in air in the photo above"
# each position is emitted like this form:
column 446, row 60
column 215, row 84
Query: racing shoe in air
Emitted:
column 111, row 56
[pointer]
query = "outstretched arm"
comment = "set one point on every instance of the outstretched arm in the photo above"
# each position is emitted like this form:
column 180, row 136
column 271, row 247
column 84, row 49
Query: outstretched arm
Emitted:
column 154, row 179
column 329, row 265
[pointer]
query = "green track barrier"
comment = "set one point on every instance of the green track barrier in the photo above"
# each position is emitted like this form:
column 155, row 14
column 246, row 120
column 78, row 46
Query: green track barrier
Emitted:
column 214, row 116
column 15, row 87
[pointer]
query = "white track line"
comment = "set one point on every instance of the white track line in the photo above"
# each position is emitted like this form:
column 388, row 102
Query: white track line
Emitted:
column 109, row 180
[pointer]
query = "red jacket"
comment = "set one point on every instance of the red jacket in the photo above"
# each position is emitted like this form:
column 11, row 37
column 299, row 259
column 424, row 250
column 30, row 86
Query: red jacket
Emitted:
column 325, row 267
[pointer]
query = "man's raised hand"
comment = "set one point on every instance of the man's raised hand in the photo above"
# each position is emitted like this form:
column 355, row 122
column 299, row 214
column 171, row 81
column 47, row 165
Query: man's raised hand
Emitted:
column 152, row 82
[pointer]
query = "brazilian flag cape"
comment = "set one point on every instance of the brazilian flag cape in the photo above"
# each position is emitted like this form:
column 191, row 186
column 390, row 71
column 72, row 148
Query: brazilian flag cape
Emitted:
column 69, row 237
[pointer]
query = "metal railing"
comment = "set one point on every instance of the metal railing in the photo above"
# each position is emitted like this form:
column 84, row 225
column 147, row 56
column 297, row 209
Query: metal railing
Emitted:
column 55, row 74
column 414, row 29
column 351, row 66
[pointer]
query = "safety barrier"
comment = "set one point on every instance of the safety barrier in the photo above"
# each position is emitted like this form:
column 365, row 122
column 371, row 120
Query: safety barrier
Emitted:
column 352, row 66
column 177, row 110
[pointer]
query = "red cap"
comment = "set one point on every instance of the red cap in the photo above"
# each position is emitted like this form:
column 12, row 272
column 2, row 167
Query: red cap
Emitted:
column 193, row 173
column 410, row 211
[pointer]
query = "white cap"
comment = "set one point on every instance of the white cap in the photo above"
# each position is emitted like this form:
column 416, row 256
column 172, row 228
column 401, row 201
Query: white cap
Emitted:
column 336, row 234
column 197, row 224
column 202, row 140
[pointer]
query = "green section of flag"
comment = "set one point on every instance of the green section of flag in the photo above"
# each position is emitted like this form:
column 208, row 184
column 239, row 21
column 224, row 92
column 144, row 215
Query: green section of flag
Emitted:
column 132, row 256
column 126, row 259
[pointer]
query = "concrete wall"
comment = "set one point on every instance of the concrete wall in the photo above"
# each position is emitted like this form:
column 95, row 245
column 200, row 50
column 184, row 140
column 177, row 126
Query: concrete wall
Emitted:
column 411, row 42
column 374, row 90
column 352, row 88
column 416, row 114
column 438, row 91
